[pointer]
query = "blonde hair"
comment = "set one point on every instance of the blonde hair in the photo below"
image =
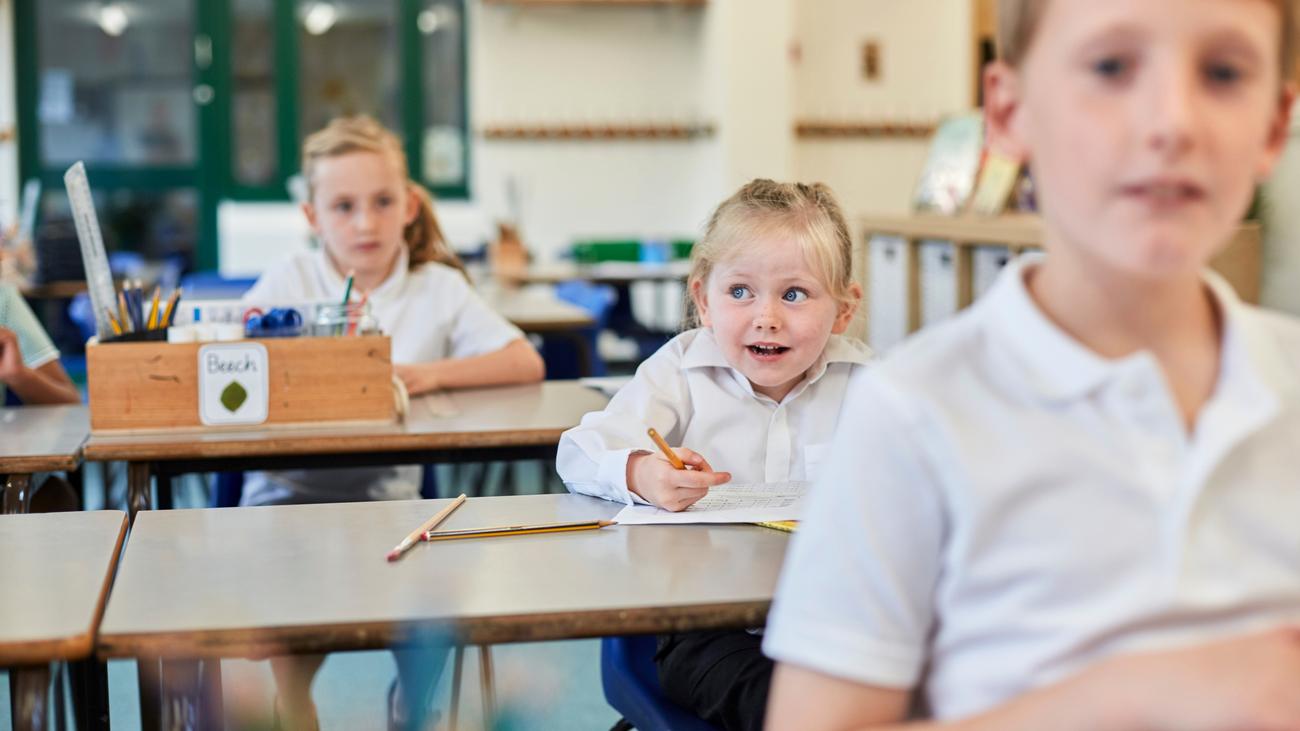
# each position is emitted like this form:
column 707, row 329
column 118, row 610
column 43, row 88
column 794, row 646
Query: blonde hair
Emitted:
column 1018, row 23
column 345, row 135
column 809, row 213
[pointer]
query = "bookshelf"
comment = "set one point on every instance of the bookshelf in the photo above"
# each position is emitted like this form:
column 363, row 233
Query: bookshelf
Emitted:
column 1239, row 262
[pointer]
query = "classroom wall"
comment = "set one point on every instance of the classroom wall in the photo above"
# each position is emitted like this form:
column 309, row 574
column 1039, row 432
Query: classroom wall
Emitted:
column 9, row 189
column 592, row 65
column 927, row 67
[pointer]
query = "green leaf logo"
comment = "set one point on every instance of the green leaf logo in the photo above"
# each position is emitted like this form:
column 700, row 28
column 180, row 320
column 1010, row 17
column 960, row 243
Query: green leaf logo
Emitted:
column 233, row 396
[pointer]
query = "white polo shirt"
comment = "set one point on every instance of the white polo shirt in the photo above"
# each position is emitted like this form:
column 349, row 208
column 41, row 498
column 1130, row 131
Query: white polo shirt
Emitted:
column 1007, row 506
column 430, row 313
column 690, row 394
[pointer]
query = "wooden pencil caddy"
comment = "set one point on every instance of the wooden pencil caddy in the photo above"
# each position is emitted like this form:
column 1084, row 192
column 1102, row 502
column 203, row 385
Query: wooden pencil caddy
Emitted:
column 311, row 380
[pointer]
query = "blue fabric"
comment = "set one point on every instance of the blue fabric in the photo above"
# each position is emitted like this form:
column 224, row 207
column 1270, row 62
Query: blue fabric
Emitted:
column 631, row 683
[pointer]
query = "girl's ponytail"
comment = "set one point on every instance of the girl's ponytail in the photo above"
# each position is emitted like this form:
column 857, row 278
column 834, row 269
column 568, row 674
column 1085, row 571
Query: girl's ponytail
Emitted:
column 424, row 238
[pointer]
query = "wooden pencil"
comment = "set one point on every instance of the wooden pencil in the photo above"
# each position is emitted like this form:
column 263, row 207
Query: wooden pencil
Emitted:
column 427, row 526
column 676, row 461
column 516, row 530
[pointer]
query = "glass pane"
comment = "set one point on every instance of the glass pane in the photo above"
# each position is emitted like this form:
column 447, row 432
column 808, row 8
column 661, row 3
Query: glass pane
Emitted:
column 114, row 82
column 156, row 224
column 443, row 143
column 347, row 62
column 254, row 138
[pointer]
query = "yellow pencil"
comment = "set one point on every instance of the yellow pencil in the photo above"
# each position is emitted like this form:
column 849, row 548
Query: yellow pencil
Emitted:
column 677, row 462
column 153, row 310
column 516, row 530
column 171, row 307
column 427, row 526
column 112, row 321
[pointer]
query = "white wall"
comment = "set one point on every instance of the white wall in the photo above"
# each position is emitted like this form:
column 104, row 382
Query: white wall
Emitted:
column 592, row 65
column 926, row 70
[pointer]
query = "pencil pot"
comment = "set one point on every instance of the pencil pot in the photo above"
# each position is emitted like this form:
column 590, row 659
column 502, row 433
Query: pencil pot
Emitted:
column 353, row 318
column 255, row 383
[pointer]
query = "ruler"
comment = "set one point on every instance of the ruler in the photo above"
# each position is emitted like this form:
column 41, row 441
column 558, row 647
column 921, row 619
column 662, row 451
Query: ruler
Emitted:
column 99, row 278
column 27, row 216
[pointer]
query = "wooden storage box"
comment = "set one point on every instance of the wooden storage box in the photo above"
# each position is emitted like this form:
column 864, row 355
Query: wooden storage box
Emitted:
column 310, row 380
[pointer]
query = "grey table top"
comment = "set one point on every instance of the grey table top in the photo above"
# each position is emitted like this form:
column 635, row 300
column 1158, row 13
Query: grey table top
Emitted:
column 312, row 578
column 42, row 438
column 54, row 574
column 528, row 415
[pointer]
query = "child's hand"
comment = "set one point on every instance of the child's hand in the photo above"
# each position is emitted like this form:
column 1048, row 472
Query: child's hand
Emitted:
column 653, row 478
column 1252, row 682
column 11, row 357
column 418, row 378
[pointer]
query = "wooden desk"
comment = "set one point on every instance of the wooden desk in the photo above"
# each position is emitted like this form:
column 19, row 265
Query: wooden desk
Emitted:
column 536, row 312
column 473, row 425
column 55, row 570
column 253, row 582
column 38, row 439
column 610, row 272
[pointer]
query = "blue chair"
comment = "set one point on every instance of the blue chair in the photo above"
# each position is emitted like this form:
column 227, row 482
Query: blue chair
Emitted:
column 564, row 357
column 631, row 683
column 229, row 487
column 214, row 286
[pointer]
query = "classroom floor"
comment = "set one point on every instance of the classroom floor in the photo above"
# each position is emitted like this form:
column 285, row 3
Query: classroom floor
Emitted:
column 540, row 686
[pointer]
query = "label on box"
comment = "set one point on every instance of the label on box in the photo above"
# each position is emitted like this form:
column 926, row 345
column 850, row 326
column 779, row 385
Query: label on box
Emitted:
column 233, row 384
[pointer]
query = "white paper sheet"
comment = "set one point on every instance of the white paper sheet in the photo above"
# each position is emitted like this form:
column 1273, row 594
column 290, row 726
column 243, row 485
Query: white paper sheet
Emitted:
column 741, row 503
column 608, row 385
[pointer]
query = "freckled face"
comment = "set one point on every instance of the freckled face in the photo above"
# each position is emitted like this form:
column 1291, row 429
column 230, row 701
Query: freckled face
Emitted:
column 770, row 313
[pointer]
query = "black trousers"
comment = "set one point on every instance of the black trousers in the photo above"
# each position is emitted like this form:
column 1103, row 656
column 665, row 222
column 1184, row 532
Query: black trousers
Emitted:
column 722, row 677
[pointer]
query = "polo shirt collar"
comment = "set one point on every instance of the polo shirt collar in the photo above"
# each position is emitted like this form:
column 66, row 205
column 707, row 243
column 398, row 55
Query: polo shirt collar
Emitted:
column 1059, row 368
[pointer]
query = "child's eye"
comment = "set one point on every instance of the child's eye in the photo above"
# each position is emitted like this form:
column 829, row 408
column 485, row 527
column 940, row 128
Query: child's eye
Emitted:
column 343, row 206
column 385, row 201
column 738, row 292
column 1222, row 74
column 1112, row 68
column 794, row 294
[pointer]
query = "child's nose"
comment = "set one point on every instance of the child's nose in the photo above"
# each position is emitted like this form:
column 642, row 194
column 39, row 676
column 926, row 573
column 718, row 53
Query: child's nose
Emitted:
column 768, row 316
column 1171, row 112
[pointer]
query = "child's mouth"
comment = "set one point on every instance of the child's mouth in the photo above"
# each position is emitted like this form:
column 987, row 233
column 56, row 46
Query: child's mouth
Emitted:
column 767, row 351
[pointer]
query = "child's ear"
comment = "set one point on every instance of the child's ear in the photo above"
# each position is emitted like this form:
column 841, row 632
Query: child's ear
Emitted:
column 412, row 205
column 1002, row 108
column 701, row 302
column 1279, row 132
column 847, row 310
column 309, row 212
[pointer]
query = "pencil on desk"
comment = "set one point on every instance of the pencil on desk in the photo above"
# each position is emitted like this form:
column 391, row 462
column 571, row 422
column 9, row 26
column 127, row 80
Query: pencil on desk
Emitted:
column 516, row 530
column 428, row 525
column 676, row 461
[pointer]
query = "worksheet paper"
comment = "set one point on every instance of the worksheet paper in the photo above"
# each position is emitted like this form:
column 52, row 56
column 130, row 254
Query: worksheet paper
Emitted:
column 742, row 503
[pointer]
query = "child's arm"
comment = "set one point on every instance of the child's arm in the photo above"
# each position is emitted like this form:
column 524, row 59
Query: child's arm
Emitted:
column 45, row 384
column 599, row 456
column 1243, row 683
column 517, row 362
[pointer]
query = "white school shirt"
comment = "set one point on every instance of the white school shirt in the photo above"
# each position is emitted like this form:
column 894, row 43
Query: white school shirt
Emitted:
column 430, row 313
column 1010, row 507
column 690, row 394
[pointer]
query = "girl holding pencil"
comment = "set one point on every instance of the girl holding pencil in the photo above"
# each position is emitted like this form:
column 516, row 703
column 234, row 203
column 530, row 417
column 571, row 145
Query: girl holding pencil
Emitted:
column 756, row 385
column 381, row 241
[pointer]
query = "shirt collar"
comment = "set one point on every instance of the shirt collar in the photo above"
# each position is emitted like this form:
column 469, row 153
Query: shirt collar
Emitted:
column 1060, row 368
column 704, row 352
column 336, row 282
